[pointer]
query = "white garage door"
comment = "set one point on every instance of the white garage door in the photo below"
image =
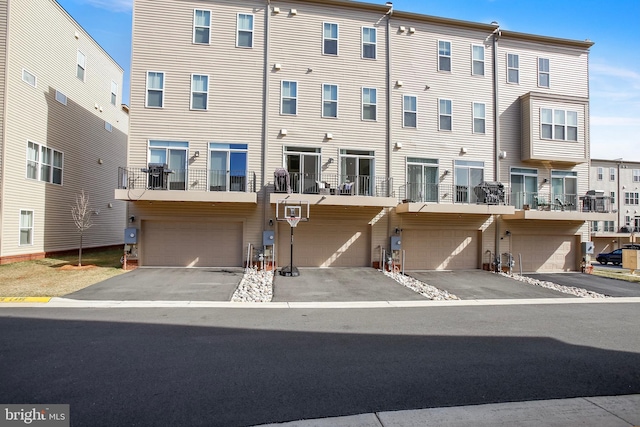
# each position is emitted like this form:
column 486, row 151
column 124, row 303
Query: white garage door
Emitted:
column 440, row 249
column 191, row 244
column 318, row 244
column 545, row 253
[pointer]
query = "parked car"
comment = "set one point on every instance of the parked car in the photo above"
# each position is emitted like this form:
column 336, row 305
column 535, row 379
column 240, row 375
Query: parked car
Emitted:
column 615, row 257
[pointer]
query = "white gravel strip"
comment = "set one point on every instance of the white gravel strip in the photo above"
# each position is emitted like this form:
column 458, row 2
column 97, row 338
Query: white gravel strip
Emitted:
column 422, row 288
column 255, row 286
column 583, row 293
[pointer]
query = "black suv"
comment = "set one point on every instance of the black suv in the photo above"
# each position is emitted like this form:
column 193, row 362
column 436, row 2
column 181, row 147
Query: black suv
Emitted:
column 614, row 257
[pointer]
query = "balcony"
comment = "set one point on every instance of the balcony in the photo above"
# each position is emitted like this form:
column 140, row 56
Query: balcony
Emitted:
column 347, row 190
column 557, row 206
column 157, row 182
column 487, row 198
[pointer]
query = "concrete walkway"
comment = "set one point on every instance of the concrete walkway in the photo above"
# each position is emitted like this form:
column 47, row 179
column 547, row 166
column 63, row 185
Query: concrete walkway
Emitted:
column 603, row 411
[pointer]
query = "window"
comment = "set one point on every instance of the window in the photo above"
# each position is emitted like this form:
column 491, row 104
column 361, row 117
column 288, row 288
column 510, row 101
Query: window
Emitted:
column 600, row 174
column 26, row 228
column 369, row 103
column 513, row 68
column 201, row 26
column 114, row 92
column 108, row 127
column 612, row 174
column 613, row 197
column 410, row 111
column 524, row 188
column 477, row 60
column 199, row 91
column 444, row 55
column 227, row 167
column 61, row 97
column 479, row 117
column 305, row 169
column 543, row 72
column 289, row 98
column 444, row 114
column 636, row 175
column 357, row 169
column 631, row 198
column 155, row 89
column 559, row 124
column 369, row 43
column 245, row 30
column 44, row 164
column 29, row 78
column 174, row 155
column 329, row 101
column 330, row 39
column 564, row 189
column 82, row 65
column 422, row 180
column 609, row 226
column 468, row 175
column 594, row 226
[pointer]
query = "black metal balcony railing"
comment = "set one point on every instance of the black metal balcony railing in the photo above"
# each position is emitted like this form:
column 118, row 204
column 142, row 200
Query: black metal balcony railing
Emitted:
column 561, row 202
column 487, row 193
column 161, row 178
column 350, row 185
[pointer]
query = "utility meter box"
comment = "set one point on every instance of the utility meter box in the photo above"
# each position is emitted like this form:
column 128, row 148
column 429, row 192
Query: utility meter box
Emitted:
column 130, row 236
column 396, row 243
column 268, row 238
column 588, row 248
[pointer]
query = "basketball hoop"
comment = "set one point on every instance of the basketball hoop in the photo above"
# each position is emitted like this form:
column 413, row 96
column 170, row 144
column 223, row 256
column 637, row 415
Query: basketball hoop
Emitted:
column 293, row 220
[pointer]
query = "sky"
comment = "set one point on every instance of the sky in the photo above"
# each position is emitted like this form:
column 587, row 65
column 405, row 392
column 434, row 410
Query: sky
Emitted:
column 614, row 61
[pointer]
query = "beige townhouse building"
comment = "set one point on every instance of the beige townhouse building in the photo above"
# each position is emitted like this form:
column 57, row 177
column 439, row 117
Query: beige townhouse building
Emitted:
column 62, row 130
column 620, row 180
column 456, row 140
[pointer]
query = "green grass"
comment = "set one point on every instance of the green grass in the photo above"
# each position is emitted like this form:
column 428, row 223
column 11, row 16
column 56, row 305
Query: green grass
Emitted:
column 58, row 276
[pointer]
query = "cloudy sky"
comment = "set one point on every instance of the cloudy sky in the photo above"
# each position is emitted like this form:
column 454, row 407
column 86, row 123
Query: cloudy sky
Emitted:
column 613, row 25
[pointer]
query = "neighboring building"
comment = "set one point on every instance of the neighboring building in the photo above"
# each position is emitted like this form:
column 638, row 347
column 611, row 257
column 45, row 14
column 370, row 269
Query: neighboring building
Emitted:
column 620, row 180
column 387, row 123
column 63, row 129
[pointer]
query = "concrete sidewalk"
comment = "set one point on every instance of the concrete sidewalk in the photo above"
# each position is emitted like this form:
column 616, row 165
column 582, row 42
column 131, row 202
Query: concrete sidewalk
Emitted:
column 602, row 411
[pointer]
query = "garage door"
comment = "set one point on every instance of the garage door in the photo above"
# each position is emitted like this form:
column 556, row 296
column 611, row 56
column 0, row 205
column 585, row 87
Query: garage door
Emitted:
column 545, row 253
column 440, row 249
column 191, row 244
column 318, row 244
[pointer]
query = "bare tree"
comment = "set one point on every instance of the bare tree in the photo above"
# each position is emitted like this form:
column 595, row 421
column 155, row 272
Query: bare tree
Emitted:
column 81, row 213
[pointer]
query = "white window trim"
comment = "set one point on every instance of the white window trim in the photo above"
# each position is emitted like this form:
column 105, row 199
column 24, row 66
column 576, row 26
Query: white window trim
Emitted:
column 442, row 114
column 282, row 97
column 513, row 68
column 404, row 110
column 553, row 125
column 35, row 78
column 362, row 103
column 61, row 97
column 450, row 56
column 39, row 164
column 473, row 60
column 146, row 94
column 83, row 65
column 548, row 73
column 337, row 39
column 193, row 91
column 337, row 101
column 362, row 43
column 636, row 175
column 599, row 174
column 193, row 38
column 107, row 126
column 612, row 174
column 473, row 119
column 32, row 227
column 253, row 23
column 114, row 93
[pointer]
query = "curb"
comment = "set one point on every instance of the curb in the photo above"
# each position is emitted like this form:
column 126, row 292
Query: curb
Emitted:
column 25, row 299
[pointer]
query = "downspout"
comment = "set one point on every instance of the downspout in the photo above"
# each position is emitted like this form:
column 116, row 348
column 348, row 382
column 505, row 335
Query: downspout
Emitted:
column 496, row 139
column 389, row 127
column 265, row 115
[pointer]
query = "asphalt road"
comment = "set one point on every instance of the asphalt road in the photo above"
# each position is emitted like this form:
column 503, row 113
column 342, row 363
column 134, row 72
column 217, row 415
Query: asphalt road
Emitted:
column 238, row 367
column 591, row 282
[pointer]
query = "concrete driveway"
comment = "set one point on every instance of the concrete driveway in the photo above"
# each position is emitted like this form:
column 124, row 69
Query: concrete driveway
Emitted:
column 590, row 282
column 166, row 284
column 340, row 285
column 480, row 284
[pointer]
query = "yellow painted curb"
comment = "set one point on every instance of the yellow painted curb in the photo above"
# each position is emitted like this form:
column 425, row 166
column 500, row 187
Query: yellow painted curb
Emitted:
column 25, row 299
